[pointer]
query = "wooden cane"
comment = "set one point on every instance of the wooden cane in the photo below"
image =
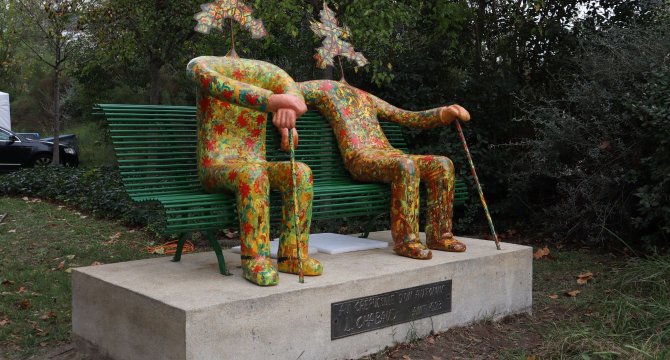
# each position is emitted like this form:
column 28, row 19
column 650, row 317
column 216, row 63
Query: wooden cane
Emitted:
column 301, row 273
column 479, row 186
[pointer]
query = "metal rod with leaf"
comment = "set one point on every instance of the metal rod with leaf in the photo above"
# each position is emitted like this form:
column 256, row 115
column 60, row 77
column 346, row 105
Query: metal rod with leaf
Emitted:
column 332, row 44
column 214, row 14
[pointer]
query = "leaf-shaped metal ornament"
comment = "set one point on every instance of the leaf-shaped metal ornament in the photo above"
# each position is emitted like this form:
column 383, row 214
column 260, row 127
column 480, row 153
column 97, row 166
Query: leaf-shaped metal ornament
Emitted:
column 332, row 44
column 213, row 16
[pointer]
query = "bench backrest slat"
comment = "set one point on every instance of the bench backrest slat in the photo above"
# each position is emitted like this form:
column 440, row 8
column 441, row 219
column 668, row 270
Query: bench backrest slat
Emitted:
column 155, row 147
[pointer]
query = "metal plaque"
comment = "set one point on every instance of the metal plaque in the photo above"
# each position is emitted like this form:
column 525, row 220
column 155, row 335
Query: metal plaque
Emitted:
column 368, row 313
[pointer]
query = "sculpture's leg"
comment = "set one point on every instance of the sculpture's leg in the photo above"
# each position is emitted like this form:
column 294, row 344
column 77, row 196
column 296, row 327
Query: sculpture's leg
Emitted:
column 437, row 173
column 399, row 170
column 249, row 181
column 287, row 257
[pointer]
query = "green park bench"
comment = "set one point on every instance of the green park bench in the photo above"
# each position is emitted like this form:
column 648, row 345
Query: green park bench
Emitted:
column 156, row 151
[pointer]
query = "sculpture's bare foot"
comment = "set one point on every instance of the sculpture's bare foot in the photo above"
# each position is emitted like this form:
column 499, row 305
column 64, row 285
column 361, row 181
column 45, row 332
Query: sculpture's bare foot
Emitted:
column 259, row 270
column 447, row 243
column 310, row 266
column 414, row 250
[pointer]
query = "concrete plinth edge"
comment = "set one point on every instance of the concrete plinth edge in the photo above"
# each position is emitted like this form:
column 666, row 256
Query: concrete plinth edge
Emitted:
column 156, row 309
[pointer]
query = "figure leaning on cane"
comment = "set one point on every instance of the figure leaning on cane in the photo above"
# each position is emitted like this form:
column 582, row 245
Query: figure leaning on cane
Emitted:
column 234, row 98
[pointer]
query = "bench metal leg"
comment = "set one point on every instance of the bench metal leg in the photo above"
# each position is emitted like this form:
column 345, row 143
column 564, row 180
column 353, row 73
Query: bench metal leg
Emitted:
column 219, row 255
column 180, row 246
column 370, row 224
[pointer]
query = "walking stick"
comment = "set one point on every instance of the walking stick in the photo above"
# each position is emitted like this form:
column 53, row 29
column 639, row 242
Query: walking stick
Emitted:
column 301, row 273
column 479, row 186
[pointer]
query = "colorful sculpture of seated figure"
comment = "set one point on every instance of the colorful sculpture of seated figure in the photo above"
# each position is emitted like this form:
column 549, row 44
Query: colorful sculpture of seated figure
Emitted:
column 368, row 156
column 234, row 98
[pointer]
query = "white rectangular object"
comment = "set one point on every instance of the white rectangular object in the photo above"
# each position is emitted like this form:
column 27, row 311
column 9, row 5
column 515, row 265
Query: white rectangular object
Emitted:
column 5, row 119
column 330, row 243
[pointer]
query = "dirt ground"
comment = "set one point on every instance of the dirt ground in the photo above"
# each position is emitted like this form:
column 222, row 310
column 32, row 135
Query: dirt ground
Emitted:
column 482, row 341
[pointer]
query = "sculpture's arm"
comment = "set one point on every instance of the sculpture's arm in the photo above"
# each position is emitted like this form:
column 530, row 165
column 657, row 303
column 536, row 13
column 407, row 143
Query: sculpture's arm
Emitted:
column 223, row 87
column 426, row 119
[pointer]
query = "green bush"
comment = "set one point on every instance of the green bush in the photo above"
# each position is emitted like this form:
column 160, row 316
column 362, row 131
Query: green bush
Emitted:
column 95, row 190
column 597, row 166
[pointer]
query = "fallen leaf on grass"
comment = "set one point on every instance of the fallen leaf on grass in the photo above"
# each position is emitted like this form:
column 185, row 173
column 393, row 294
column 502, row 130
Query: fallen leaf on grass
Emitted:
column 68, row 270
column 584, row 278
column 21, row 290
column 24, row 304
column 61, row 265
column 113, row 239
column 541, row 253
column 572, row 293
column 553, row 296
column 83, row 217
column 49, row 315
column 532, row 357
column 12, row 231
column 70, row 257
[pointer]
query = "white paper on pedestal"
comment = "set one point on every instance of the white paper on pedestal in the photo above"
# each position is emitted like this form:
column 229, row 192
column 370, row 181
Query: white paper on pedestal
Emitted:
column 330, row 243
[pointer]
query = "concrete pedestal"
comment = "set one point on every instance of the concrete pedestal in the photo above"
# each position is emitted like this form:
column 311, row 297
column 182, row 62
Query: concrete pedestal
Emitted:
column 157, row 309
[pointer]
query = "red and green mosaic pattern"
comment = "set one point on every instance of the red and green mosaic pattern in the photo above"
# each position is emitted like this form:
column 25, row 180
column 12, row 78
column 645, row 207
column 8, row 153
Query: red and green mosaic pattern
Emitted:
column 368, row 156
column 332, row 44
column 213, row 14
column 231, row 116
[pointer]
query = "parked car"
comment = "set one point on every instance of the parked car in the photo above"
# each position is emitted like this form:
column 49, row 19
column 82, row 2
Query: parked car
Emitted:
column 17, row 150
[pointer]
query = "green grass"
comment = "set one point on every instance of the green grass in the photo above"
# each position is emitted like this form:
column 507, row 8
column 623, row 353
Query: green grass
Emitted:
column 38, row 243
column 623, row 313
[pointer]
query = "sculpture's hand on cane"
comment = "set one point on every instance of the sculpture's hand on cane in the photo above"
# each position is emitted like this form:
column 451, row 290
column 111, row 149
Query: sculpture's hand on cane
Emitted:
column 450, row 113
column 284, row 145
column 286, row 109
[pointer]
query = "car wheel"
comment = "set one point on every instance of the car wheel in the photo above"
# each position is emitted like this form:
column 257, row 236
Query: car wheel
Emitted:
column 42, row 160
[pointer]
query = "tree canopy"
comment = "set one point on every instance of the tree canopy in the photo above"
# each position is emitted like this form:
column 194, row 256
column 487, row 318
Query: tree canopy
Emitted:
column 524, row 69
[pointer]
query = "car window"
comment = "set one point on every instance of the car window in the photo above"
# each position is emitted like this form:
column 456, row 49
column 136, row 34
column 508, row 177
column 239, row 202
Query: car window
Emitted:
column 4, row 136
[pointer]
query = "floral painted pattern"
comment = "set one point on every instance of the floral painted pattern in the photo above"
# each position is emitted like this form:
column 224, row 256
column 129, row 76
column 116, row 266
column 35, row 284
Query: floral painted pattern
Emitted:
column 369, row 156
column 232, row 121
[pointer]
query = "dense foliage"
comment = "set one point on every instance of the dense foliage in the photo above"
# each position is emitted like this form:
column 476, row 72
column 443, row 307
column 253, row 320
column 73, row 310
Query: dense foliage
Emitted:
column 597, row 166
column 586, row 80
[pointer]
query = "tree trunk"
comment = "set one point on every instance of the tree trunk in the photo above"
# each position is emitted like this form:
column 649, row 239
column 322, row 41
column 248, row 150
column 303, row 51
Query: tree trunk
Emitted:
column 55, row 160
column 155, row 86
